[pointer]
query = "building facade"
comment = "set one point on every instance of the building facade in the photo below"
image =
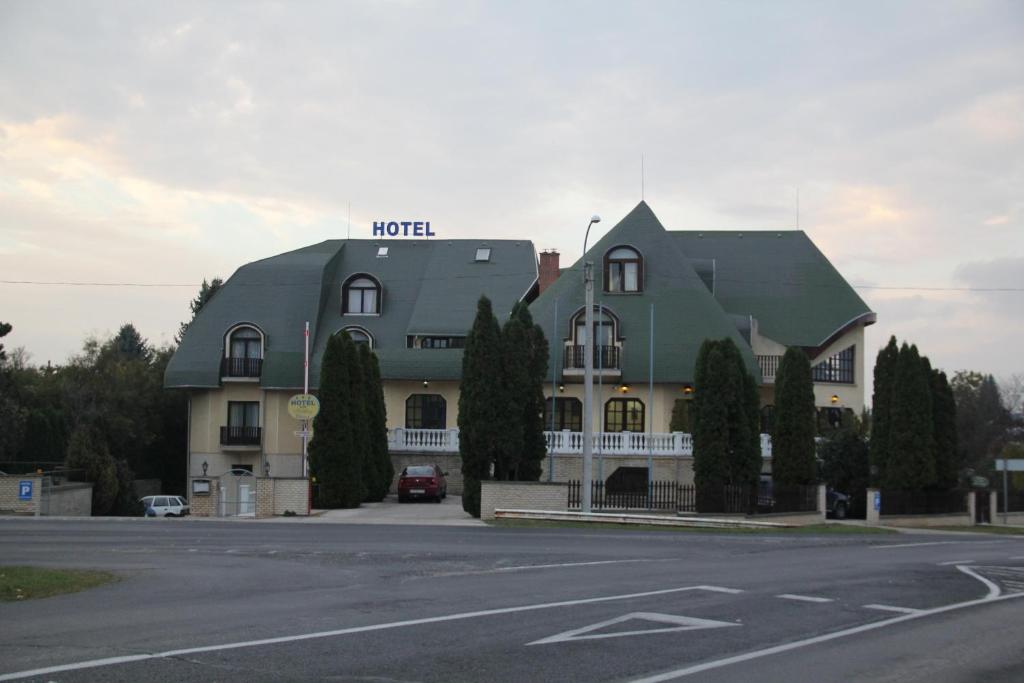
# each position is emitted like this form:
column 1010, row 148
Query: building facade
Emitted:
column 413, row 301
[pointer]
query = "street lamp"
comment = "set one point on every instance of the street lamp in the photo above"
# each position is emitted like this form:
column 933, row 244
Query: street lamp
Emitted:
column 588, row 372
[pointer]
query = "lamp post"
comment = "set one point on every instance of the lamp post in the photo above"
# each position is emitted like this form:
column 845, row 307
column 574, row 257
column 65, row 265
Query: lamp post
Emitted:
column 588, row 372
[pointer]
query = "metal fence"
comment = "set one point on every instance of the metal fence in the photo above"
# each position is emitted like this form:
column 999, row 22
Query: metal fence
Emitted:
column 1016, row 500
column 670, row 496
column 30, row 466
column 923, row 502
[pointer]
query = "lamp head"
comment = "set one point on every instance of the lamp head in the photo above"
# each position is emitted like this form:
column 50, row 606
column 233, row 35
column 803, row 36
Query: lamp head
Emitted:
column 595, row 219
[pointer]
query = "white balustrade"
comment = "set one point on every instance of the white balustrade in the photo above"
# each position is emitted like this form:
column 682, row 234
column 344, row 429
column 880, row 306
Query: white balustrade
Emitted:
column 563, row 442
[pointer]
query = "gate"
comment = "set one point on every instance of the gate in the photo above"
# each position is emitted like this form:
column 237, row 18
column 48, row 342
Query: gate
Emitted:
column 237, row 494
column 982, row 513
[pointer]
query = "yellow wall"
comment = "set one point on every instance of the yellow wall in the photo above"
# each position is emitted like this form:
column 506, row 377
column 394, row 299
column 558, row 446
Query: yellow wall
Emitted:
column 397, row 391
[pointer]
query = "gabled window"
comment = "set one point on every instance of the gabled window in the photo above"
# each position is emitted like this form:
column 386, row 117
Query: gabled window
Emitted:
column 360, row 295
column 243, row 352
column 836, row 369
column 425, row 411
column 568, row 414
column 624, row 415
column 623, row 270
column 359, row 336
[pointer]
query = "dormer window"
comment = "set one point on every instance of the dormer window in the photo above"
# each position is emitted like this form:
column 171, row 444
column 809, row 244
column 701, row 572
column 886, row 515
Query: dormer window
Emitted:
column 360, row 295
column 359, row 336
column 623, row 270
column 243, row 355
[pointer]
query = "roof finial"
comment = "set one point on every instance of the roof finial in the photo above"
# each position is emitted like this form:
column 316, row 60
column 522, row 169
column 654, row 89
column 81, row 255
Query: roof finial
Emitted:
column 641, row 176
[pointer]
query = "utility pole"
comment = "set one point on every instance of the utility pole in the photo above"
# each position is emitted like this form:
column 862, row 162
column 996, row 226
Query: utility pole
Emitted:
column 588, row 375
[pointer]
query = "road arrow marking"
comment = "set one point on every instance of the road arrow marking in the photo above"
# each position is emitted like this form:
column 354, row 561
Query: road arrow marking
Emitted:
column 677, row 624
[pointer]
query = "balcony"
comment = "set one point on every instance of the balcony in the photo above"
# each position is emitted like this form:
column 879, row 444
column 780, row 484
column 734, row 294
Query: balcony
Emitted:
column 769, row 367
column 562, row 443
column 232, row 435
column 246, row 368
column 606, row 361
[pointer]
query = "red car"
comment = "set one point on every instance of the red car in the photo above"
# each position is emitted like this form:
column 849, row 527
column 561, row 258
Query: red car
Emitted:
column 422, row 481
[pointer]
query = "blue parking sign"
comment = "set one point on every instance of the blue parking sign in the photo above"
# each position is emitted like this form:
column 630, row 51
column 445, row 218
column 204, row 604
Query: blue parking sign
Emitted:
column 25, row 490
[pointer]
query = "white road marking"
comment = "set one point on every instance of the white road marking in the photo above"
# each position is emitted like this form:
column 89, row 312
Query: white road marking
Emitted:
column 109, row 661
column 916, row 545
column 678, row 623
column 803, row 598
column 993, row 589
column 893, row 608
column 946, row 564
column 519, row 568
column 786, row 647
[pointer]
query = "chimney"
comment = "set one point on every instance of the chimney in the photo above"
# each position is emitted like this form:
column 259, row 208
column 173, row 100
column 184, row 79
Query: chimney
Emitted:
column 548, row 269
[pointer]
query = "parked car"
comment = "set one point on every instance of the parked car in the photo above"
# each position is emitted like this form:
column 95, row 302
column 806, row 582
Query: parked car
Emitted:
column 164, row 506
column 422, row 481
column 836, row 504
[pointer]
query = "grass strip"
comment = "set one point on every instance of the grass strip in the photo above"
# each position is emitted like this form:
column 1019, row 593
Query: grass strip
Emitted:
column 813, row 530
column 28, row 583
column 983, row 529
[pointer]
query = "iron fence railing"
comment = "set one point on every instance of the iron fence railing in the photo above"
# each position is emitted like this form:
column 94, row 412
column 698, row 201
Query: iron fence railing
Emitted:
column 231, row 435
column 1016, row 500
column 923, row 502
column 606, row 357
column 668, row 495
column 241, row 367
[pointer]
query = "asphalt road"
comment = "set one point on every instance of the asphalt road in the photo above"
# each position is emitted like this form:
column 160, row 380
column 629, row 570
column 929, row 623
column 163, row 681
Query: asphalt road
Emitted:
column 292, row 600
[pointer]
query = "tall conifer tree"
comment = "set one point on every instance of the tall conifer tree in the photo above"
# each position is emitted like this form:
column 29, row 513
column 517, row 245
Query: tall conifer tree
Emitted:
column 793, row 452
column 333, row 456
column 911, row 456
column 376, row 424
column 947, row 467
column 483, row 409
column 711, row 427
column 881, row 405
column 534, row 444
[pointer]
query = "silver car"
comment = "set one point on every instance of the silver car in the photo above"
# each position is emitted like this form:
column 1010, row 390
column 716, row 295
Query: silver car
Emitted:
column 164, row 506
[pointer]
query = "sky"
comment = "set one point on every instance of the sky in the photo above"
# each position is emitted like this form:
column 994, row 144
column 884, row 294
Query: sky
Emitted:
column 163, row 143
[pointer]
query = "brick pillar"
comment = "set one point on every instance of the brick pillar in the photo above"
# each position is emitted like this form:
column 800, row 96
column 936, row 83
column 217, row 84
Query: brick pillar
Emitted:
column 548, row 271
column 993, row 506
column 264, row 498
column 822, row 502
column 971, row 506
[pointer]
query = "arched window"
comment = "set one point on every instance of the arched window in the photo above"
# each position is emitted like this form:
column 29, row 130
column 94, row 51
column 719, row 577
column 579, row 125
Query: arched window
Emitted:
column 623, row 270
column 359, row 336
column 360, row 295
column 606, row 353
column 568, row 414
column 243, row 353
column 425, row 411
column 624, row 415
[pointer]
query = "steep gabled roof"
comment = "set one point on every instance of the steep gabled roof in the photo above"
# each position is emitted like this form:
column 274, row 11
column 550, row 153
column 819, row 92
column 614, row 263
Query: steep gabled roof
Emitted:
column 429, row 287
column 685, row 312
column 781, row 279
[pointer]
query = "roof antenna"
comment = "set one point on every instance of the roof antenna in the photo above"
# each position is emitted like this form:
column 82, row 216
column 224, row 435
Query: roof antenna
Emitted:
column 349, row 236
column 798, row 207
column 641, row 176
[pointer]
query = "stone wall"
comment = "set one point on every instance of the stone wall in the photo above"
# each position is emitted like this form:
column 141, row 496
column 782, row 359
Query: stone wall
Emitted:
column 522, row 495
column 9, row 502
column 289, row 495
column 71, row 499
column 201, row 504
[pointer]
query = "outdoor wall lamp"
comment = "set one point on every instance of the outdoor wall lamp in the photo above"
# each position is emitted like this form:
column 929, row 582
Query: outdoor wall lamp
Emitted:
column 624, row 388
column 561, row 388
column 426, row 384
column 205, row 467
column 687, row 389
column 835, row 399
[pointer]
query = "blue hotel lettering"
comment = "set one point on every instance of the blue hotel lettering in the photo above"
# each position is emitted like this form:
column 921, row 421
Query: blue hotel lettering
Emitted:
column 403, row 228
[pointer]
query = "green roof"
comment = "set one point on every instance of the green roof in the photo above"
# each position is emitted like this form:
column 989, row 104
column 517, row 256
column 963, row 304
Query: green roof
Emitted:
column 428, row 287
column 780, row 278
column 685, row 312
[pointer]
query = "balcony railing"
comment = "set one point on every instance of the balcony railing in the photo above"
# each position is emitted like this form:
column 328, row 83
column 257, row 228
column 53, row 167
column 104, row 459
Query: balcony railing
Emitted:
column 605, row 358
column 232, row 435
column 241, row 367
column 563, row 442
column 769, row 367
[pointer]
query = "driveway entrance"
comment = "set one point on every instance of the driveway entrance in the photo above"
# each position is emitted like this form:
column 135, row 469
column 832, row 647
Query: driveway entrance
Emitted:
column 447, row 513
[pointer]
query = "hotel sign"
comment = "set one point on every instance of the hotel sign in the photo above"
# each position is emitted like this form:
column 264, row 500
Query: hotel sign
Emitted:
column 402, row 229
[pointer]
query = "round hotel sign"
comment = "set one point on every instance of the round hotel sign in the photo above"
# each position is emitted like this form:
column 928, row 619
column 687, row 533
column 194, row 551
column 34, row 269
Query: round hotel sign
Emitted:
column 303, row 406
